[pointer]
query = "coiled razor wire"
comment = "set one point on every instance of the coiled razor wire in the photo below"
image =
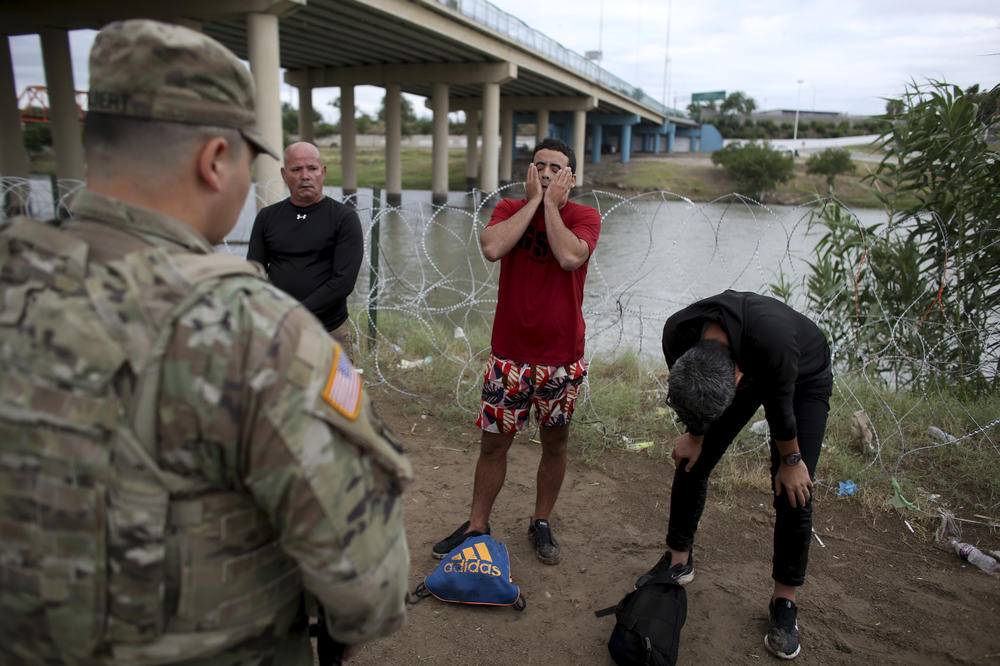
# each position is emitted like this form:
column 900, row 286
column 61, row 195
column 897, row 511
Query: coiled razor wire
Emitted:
column 658, row 252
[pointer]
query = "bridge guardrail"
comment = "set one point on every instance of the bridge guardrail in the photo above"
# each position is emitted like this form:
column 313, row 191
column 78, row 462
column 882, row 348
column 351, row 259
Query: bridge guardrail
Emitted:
column 491, row 16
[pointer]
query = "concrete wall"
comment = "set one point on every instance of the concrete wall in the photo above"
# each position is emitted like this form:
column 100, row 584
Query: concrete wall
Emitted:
column 710, row 139
column 682, row 144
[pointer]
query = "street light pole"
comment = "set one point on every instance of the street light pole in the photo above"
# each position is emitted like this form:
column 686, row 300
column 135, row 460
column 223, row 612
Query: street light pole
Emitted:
column 798, row 96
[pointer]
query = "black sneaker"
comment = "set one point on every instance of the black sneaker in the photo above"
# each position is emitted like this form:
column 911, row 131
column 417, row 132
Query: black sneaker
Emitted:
column 782, row 639
column 682, row 574
column 448, row 544
column 546, row 547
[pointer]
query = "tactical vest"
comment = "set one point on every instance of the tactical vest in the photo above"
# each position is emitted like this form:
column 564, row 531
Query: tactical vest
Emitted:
column 104, row 556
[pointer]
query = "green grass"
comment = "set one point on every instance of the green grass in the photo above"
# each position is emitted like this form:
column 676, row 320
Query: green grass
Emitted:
column 694, row 180
column 43, row 163
column 449, row 386
column 697, row 182
column 623, row 402
column 415, row 164
column 965, row 473
column 623, row 405
column 847, row 188
column 694, row 177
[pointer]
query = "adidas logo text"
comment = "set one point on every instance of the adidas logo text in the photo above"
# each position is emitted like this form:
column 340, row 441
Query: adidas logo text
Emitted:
column 474, row 559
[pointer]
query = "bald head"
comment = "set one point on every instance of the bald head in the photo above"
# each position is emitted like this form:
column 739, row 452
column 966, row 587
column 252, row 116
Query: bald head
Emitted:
column 304, row 173
column 302, row 150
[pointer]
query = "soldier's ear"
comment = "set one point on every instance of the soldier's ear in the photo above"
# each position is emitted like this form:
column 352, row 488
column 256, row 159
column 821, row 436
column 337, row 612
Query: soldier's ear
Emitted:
column 212, row 162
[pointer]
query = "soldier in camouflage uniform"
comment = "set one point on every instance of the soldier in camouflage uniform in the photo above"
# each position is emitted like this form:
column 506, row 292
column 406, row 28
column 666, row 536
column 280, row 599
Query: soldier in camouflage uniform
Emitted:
column 185, row 454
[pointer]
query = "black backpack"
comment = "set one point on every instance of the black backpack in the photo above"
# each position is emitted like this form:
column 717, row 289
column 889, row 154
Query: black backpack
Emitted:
column 649, row 624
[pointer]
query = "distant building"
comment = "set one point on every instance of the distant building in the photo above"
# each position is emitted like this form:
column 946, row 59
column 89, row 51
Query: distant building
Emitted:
column 788, row 115
column 783, row 115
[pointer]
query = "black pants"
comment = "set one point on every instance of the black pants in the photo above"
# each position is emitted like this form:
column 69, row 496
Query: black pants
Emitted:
column 793, row 526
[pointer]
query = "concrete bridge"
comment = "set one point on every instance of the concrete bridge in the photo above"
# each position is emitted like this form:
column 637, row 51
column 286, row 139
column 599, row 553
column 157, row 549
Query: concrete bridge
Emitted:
column 460, row 54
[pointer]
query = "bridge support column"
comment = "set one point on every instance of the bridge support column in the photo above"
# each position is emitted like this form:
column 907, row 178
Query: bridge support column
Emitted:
column 393, row 152
column 262, row 49
column 306, row 130
column 506, row 143
column 471, row 150
column 542, row 124
column 579, row 139
column 439, row 146
column 597, row 139
column 66, row 139
column 626, row 147
column 348, row 143
column 13, row 157
column 491, row 129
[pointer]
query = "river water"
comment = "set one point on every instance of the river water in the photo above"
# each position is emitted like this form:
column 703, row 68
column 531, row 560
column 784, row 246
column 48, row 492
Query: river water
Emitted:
column 657, row 253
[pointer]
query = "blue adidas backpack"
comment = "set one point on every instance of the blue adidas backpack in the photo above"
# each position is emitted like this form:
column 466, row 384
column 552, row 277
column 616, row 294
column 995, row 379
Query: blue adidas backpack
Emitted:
column 477, row 571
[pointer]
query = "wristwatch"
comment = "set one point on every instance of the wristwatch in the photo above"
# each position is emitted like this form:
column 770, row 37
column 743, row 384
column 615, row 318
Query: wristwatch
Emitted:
column 792, row 459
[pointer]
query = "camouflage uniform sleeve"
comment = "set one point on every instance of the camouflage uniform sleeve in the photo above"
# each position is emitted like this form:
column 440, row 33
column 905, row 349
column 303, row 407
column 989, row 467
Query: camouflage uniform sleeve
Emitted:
column 265, row 383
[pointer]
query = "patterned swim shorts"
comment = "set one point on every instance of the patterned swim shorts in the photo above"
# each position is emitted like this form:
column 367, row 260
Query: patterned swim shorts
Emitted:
column 510, row 389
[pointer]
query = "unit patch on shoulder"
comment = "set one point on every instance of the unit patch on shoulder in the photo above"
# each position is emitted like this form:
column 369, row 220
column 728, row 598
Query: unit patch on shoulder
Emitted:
column 343, row 387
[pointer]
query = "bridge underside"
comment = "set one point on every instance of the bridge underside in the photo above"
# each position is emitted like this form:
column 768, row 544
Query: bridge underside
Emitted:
column 468, row 57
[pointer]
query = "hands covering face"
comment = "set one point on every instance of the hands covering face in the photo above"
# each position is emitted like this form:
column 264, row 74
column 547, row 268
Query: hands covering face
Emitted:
column 533, row 184
column 558, row 187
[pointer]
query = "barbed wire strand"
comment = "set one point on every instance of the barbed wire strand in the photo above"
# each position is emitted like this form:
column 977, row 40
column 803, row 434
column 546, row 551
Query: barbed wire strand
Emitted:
column 658, row 252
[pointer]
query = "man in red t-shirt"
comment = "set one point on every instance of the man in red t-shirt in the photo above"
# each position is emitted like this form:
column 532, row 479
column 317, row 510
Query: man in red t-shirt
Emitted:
column 544, row 243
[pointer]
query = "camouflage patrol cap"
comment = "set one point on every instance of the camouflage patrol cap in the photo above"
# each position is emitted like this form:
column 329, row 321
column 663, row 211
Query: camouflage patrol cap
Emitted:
column 147, row 69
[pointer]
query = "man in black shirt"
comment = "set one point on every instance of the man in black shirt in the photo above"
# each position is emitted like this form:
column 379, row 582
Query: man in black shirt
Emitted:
column 728, row 355
column 310, row 245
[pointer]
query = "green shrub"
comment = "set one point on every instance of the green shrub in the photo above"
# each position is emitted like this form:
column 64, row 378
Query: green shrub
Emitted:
column 831, row 163
column 757, row 168
column 37, row 137
column 927, row 283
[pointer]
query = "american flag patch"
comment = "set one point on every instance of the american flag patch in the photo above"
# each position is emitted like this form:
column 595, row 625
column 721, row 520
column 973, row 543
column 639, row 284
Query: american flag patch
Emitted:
column 343, row 388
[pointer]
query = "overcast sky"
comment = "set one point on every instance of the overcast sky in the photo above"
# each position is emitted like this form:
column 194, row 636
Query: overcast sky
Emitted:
column 848, row 54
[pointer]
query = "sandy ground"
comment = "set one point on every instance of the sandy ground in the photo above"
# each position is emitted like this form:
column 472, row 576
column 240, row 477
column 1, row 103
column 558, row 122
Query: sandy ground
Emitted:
column 876, row 592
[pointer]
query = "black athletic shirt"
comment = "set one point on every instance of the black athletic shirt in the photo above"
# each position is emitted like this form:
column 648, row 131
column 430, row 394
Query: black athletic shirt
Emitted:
column 774, row 345
column 312, row 253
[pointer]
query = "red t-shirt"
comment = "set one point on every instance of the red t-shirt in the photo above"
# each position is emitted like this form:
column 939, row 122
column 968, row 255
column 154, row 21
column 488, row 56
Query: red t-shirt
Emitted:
column 539, row 315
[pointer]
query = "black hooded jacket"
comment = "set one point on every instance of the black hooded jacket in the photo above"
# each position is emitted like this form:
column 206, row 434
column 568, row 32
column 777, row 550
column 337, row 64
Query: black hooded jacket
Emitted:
column 775, row 347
